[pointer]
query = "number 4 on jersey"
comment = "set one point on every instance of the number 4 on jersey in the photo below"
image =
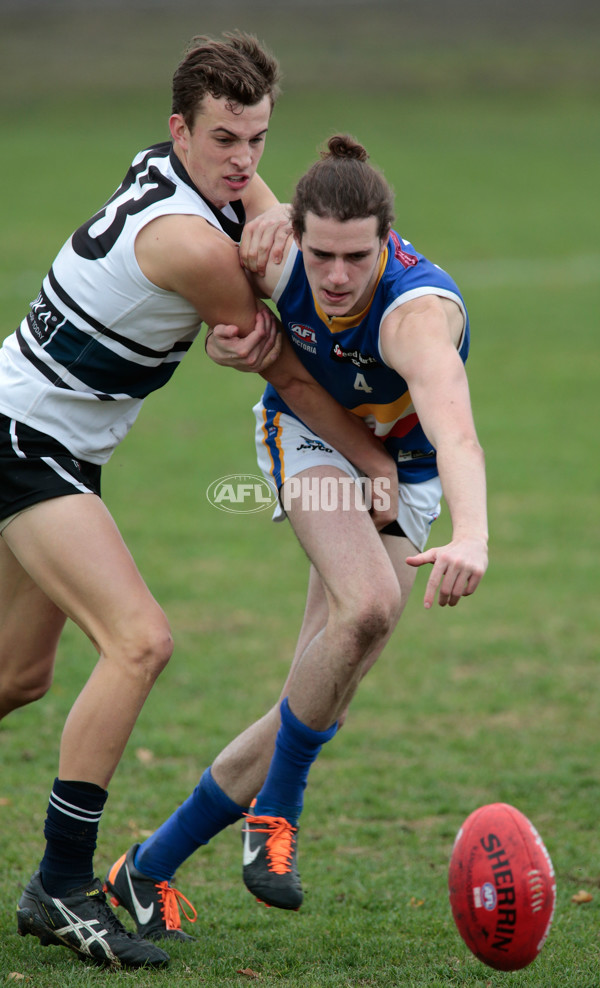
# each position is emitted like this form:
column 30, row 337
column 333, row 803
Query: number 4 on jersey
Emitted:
column 360, row 384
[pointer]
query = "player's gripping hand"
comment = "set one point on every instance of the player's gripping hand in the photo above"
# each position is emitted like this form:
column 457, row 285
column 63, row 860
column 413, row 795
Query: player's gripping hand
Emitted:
column 265, row 238
column 384, row 506
column 457, row 569
column 254, row 352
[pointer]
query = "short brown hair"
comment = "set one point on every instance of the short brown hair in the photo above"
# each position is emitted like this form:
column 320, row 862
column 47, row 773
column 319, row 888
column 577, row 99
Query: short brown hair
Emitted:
column 237, row 68
column 342, row 185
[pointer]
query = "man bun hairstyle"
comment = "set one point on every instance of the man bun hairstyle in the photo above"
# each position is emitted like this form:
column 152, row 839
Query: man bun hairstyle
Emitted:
column 236, row 67
column 342, row 146
column 343, row 186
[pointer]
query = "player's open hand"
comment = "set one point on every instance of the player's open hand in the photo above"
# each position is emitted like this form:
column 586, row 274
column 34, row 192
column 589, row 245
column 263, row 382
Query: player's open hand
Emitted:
column 457, row 569
column 254, row 352
column 265, row 238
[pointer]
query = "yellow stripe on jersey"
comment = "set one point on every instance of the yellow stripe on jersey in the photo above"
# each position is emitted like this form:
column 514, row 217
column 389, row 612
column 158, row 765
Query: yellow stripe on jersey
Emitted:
column 384, row 417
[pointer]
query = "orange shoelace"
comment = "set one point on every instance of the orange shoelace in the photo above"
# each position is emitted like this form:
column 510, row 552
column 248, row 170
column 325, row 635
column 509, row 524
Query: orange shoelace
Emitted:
column 170, row 899
column 280, row 843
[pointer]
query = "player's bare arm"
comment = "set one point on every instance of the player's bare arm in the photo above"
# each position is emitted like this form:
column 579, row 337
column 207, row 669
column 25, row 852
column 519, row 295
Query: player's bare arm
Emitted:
column 252, row 353
column 185, row 254
column 420, row 341
column 230, row 348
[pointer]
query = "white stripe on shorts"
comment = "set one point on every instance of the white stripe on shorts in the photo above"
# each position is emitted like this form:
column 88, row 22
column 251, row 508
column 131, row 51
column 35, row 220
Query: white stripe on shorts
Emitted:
column 15, row 441
column 64, row 474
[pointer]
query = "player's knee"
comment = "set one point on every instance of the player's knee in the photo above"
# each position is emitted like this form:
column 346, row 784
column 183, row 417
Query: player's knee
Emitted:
column 20, row 690
column 148, row 651
column 158, row 650
column 375, row 614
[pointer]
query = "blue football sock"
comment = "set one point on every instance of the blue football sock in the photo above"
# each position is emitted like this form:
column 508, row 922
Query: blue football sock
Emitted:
column 71, row 832
column 206, row 812
column 296, row 748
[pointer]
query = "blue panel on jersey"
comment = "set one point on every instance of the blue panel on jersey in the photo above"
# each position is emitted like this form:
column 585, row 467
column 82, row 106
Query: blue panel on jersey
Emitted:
column 92, row 363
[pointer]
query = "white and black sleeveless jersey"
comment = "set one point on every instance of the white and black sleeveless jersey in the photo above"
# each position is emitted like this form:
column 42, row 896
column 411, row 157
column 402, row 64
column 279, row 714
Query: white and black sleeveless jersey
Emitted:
column 100, row 336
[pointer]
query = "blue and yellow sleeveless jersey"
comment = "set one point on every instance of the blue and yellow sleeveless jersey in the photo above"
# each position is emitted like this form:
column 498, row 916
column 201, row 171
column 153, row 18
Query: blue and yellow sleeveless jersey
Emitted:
column 343, row 354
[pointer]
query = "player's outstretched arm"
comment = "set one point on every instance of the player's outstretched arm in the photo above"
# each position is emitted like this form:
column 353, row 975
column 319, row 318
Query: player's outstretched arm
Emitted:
column 419, row 339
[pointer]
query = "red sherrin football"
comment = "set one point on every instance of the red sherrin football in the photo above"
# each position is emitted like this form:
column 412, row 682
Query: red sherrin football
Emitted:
column 502, row 887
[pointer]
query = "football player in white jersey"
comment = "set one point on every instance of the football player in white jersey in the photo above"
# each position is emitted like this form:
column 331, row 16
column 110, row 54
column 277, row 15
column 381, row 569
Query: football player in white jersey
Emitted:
column 120, row 306
column 387, row 331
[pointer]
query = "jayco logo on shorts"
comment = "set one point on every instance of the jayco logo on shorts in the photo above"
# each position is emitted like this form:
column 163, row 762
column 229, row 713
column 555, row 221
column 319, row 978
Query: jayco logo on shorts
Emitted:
column 241, row 493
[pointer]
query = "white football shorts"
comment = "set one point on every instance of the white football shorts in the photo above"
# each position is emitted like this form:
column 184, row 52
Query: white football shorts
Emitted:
column 286, row 447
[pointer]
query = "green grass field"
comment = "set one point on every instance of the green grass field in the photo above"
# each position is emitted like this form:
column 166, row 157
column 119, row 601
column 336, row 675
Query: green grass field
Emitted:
column 492, row 147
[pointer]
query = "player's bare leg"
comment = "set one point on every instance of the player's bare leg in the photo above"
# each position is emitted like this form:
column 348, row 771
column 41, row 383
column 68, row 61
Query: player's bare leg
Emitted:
column 30, row 627
column 73, row 551
column 241, row 767
column 363, row 605
column 363, row 594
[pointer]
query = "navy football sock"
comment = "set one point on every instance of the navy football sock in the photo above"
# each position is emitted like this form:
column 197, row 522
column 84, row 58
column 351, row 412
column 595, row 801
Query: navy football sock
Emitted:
column 71, row 832
column 206, row 812
column 296, row 748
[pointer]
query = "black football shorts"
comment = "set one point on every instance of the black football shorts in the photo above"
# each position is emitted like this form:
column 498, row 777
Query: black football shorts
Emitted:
column 35, row 467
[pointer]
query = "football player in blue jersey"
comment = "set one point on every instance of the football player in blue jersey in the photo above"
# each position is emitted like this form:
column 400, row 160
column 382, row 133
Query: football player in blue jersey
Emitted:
column 119, row 308
column 387, row 333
